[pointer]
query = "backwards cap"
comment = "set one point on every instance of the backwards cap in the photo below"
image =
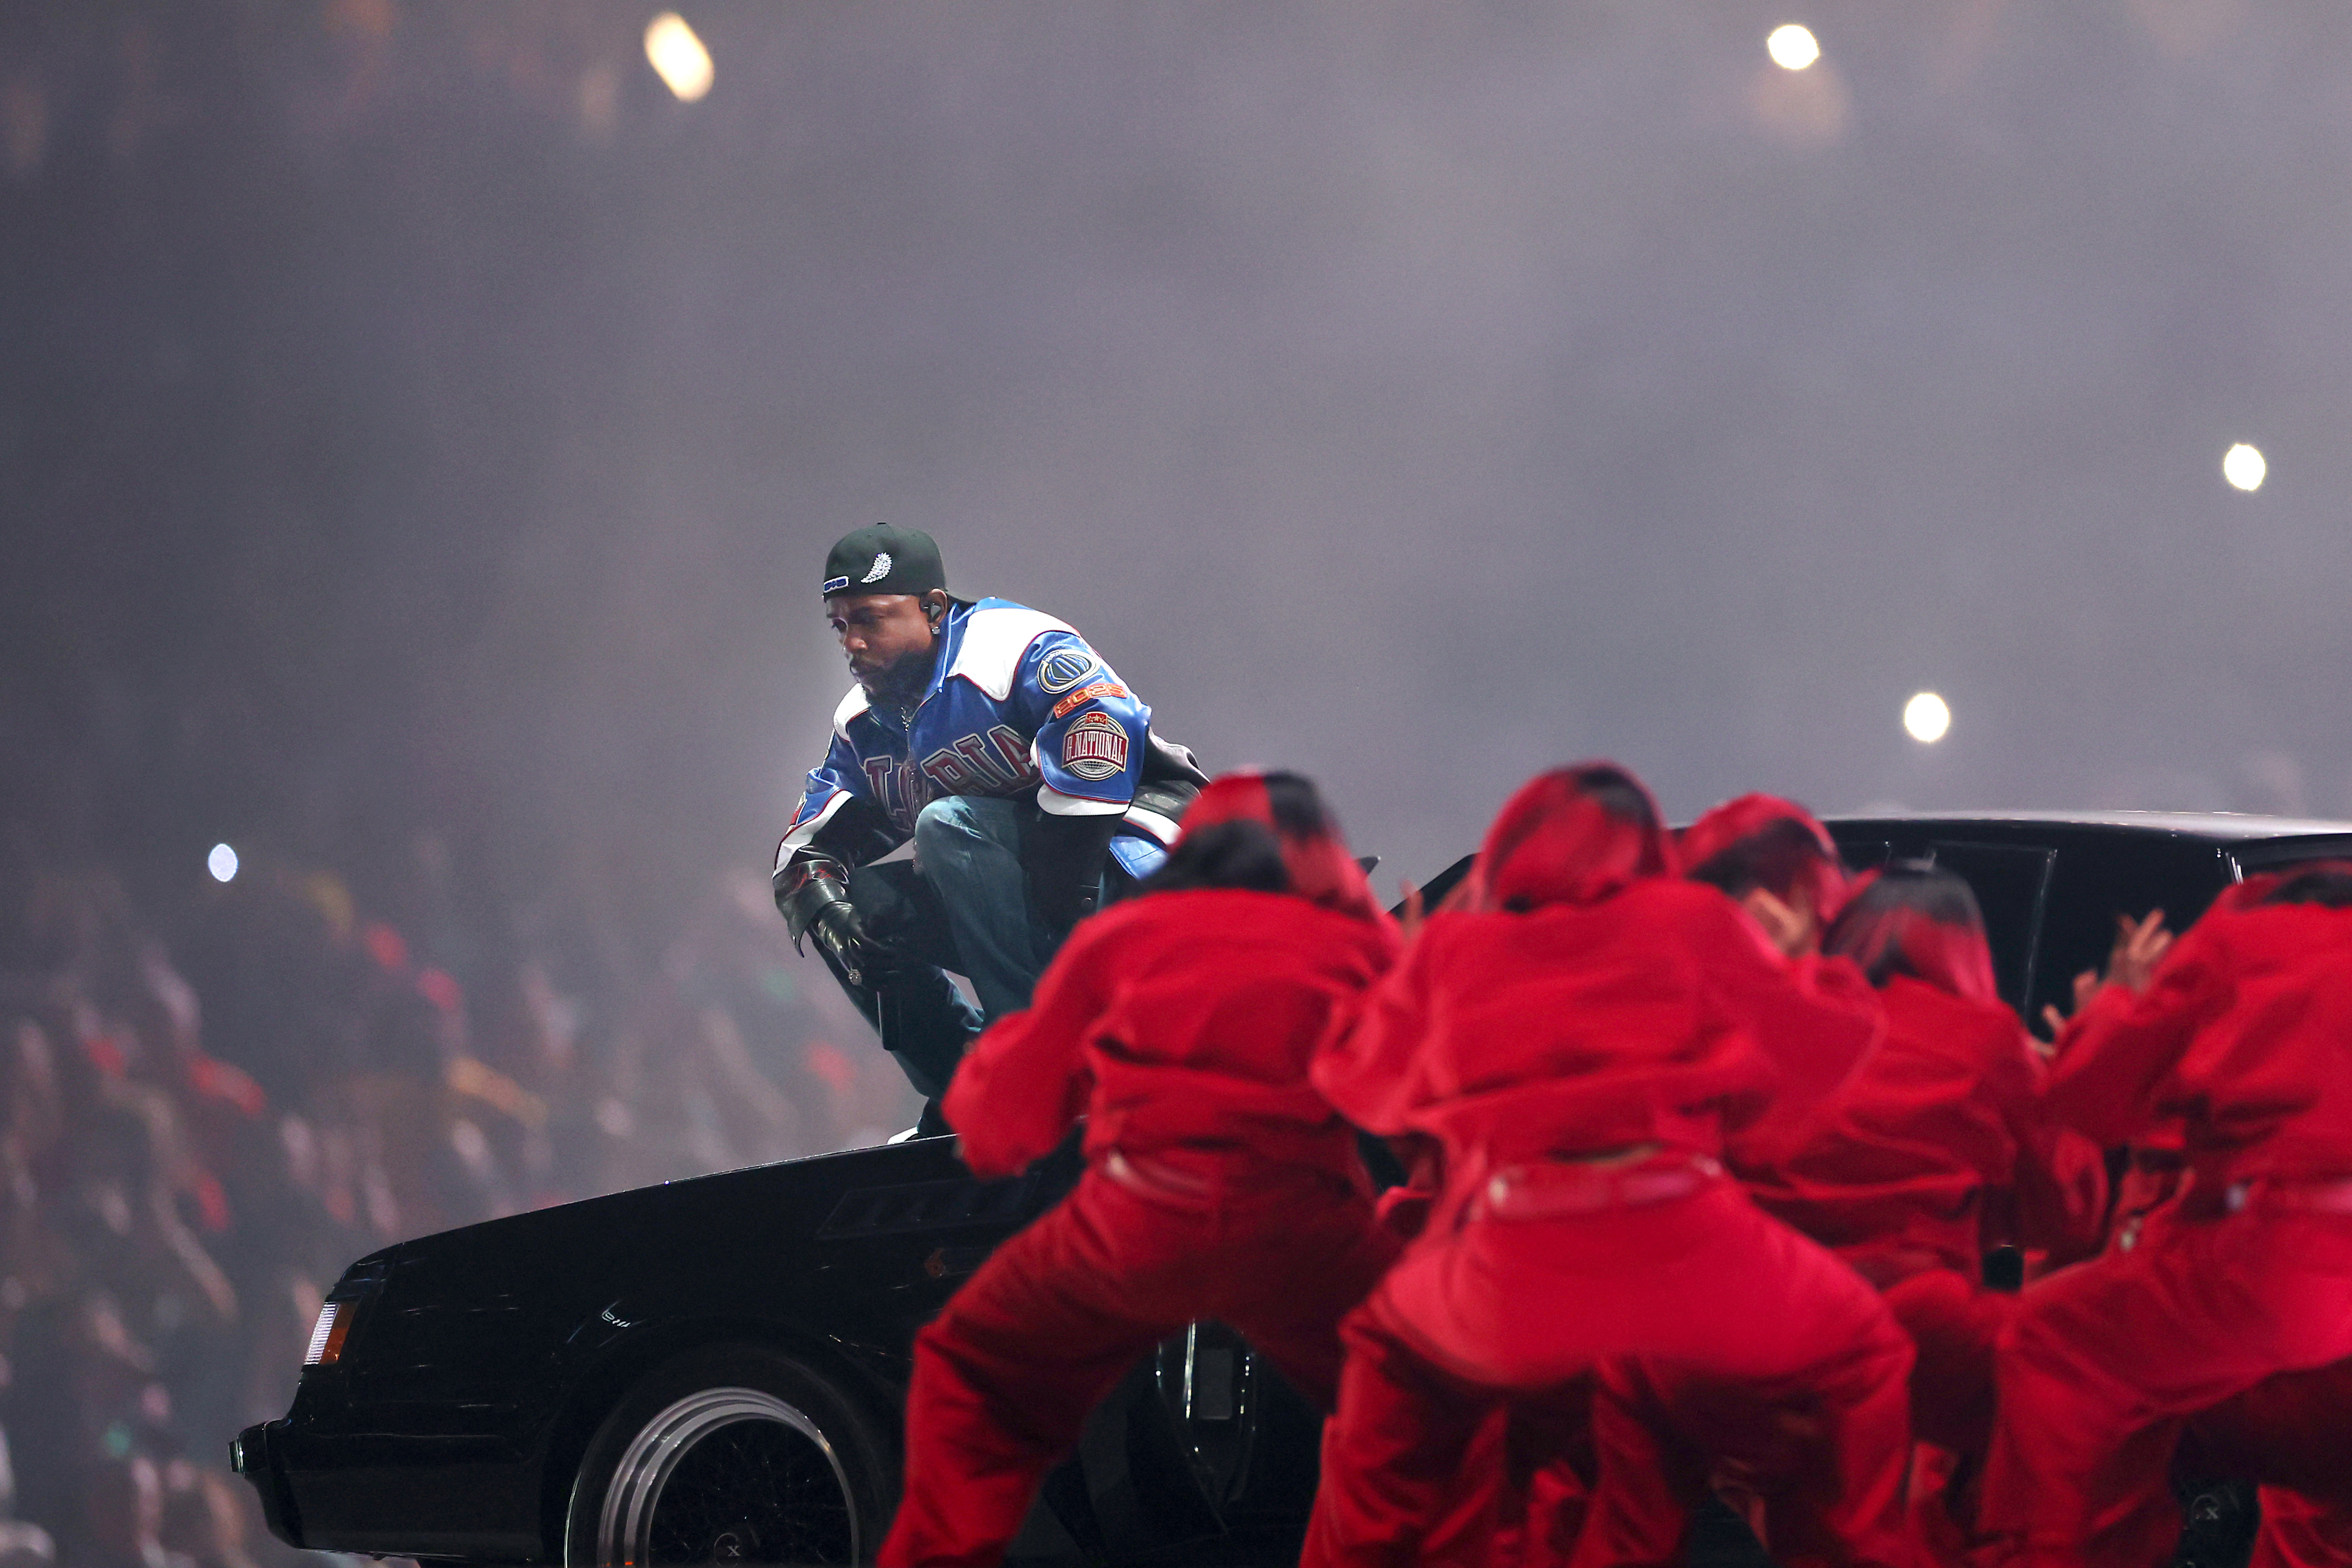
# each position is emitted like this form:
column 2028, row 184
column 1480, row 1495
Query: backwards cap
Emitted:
column 1570, row 835
column 884, row 560
column 1313, row 853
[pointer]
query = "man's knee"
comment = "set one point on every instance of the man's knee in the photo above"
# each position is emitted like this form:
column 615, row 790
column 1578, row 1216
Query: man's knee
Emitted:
column 958, row 821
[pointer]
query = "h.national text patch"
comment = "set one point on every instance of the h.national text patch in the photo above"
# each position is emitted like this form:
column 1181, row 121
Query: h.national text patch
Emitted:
column 1095, row 748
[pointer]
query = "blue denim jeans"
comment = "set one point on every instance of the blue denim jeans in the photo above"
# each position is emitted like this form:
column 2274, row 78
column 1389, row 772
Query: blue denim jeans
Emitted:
column 962, row 905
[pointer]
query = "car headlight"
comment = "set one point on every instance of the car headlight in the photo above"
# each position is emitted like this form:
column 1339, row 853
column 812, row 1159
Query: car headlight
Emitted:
column 327, row 1338
column 334, row 1329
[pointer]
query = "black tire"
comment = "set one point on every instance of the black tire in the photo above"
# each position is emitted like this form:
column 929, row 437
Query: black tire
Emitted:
column 731, row 1455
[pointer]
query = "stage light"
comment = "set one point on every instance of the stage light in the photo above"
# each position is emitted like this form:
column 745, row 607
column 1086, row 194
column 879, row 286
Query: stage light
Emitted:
column 2243, row 468
column 1927, row 716
column 1793, row 46
column 221, row 863
column 678, row 56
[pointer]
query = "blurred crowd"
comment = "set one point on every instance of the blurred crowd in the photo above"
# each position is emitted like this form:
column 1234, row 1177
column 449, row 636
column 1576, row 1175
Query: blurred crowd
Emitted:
column 204, row 1118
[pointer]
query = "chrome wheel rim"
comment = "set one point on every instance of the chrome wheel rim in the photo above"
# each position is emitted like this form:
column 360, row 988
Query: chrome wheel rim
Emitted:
column 726, row 1476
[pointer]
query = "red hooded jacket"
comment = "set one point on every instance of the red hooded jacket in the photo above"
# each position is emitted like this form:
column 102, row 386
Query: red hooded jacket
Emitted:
column 1587, row 1000
column 2241, row 1038
column 1725, row 827
column 1822, row 1026
column 1939, row 1145
column 1185, row 1020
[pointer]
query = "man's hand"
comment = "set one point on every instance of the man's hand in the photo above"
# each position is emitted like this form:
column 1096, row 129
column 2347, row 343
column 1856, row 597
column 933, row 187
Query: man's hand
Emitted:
column 1788, row 927
column 814, row 896
column 2140, row 946
column 837, row 931
column 2086, row 985
column 1064, row 857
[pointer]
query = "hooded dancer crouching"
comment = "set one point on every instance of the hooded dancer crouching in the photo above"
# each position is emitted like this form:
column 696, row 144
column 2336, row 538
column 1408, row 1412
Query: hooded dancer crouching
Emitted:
column 2239, row 1037
column 1219, row 1182
column 1572, row 1041
column 1816, row 1019
column 1934, row 1152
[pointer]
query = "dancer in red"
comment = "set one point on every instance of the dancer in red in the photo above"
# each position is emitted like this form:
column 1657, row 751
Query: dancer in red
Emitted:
column 1572, row 1041
column 1817, row 1019
column 1219, row 1183
column 1933, row 1152
column 2238, row 1036
column 1780, row 863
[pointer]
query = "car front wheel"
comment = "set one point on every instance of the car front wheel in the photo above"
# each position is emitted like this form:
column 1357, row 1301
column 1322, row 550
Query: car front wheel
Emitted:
column 733, row 1455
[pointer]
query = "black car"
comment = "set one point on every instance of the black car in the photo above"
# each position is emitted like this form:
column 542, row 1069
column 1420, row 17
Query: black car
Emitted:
column 714, row 1370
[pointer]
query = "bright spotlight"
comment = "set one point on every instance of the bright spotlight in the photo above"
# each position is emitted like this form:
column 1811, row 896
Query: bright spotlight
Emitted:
column 678, row 56
column 2243, row 467
column 221, row 863
column 1927, row 716
column 1793, row 46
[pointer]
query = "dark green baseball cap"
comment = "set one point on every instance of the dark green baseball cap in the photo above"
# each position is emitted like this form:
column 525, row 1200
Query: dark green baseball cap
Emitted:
column 884, row 560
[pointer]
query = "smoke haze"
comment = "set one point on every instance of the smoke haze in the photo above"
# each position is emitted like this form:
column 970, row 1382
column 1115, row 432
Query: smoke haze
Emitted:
column 412, row 418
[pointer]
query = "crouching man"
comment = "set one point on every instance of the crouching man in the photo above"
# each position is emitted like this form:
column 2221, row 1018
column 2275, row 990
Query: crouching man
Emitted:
column 1025, row 772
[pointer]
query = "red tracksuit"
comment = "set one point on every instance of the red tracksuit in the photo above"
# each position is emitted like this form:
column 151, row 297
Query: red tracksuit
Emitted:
column 2284, row 1433
column 1817, row 1019
column 2239, row 1038
column 1936, row 1151
column 1220, row 1185
column 1524, row 1042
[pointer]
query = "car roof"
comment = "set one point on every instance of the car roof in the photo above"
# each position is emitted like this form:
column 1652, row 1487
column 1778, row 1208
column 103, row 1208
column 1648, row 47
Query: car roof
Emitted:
column 2234, row 826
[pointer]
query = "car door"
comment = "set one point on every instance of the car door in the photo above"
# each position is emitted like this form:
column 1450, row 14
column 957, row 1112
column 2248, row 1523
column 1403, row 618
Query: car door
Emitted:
column 2100, row 876
column 2010, row 882
column 2010, row 877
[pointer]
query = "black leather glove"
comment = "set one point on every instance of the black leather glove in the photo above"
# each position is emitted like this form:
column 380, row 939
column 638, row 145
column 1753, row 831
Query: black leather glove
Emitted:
column 1064, row 856
column 812, row 893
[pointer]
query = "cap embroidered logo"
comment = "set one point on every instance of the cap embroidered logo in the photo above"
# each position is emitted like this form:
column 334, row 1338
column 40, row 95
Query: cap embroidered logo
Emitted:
column 834, row 585
column 881, row 569
column 1095, row 748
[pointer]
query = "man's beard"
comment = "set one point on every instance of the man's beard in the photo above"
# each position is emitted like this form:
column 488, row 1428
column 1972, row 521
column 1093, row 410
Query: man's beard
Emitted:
column 901, row 682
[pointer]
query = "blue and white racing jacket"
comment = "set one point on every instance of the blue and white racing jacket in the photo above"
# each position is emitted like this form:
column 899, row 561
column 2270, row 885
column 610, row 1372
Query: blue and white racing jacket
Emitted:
column 1018, row 704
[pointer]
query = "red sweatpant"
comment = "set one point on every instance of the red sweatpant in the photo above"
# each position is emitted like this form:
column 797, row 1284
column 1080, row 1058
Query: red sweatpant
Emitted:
column 1953, row 1323
column 2104, row 1362
column 1668, row 1304
column 1005, row 1377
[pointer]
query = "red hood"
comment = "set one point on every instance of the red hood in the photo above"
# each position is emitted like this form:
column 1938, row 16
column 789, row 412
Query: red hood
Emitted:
column 1554, row 843
column 1321, row 870
column 1951, row 958
column 1725, row 825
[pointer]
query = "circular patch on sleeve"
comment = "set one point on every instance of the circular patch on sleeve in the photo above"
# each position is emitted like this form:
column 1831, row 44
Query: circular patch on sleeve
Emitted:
column 1095, row 748
column 1064, row 668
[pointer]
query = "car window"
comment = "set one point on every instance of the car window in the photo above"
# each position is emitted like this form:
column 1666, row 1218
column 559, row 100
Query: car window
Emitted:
column 2009, row 881
column 2096, row 880
column 1864, row 854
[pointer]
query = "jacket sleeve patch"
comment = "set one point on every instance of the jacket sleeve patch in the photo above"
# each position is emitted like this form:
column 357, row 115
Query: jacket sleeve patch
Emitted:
column 1095, row 748
column 1064, row 668
column 1085, row 694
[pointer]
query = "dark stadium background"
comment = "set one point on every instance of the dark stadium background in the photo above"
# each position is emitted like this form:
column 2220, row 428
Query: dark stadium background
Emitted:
column 419, row 432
